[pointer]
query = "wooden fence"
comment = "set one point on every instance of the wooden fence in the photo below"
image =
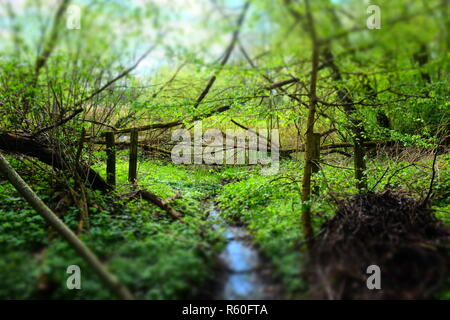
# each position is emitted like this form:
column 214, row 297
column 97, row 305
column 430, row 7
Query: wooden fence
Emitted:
column 133, row 157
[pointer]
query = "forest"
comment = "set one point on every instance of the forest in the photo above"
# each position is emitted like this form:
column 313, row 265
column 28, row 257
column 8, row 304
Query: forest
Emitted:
column 224, row 149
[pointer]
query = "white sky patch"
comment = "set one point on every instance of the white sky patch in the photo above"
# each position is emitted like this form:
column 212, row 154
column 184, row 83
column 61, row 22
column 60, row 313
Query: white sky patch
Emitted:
column 185, row 28
column 15, row 4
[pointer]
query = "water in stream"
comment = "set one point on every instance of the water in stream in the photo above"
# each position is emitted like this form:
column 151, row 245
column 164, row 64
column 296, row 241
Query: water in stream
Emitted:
column 242, row 264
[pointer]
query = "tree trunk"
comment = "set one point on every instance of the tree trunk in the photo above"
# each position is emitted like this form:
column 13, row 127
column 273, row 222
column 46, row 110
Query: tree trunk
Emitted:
column 315, row 160
column 309, row 145
column 356, row 125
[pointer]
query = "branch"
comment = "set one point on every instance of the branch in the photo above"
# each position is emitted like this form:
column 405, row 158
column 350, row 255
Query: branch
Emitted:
column 226, row 56
column 282, row 83
column 433, row 174
column 51, row 40
column 248, row 129
column 96, row 92
column 59, row 123
column 390, row 22
column 120, row 76
column 172, row 124
column 153, row 198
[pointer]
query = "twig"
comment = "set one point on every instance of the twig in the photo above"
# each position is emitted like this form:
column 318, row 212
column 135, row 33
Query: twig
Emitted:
column 433, row 174
column 95, row 93
column 225, row 58
column 379, row 180
column 153, row 198
column 59, row 123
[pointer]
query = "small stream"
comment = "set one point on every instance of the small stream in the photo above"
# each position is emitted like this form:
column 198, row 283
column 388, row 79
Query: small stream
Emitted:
column 243, row 268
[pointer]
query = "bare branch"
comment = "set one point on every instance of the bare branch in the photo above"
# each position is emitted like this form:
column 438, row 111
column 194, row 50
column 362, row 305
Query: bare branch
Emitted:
column 226, row 56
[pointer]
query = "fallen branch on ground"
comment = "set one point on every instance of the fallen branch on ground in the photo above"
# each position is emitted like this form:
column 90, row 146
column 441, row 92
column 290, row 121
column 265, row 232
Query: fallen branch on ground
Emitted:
column 153, row 198
column 29, row 147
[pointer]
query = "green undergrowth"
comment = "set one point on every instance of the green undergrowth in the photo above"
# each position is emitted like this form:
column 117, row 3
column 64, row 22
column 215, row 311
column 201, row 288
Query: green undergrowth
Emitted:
column 159, row 258
column 270, row 205
column 156, row 257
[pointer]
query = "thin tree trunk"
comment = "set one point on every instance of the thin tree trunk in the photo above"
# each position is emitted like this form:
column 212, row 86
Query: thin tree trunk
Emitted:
column 360, row 163
column 315, row 160
column 44, row 211
column 309, row 145
column 356, row 125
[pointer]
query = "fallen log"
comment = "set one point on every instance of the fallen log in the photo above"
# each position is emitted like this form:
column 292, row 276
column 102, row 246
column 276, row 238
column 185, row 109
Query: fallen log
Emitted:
column 283, row 153
column 331, row 146
column 348, row 155
column 29, row 147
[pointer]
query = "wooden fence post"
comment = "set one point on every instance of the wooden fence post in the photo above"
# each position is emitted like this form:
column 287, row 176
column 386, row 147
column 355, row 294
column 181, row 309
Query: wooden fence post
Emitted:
column 132, row 169
column 111, row 159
